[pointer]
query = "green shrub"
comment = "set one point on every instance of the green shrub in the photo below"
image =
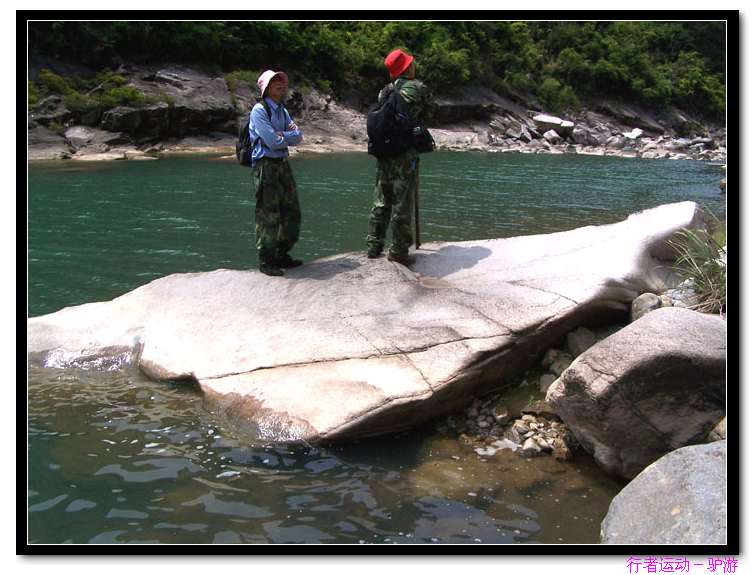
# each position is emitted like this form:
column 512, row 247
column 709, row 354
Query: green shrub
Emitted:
column 33, row 94
column 656, row 63
column 247, row 76
column 324, row 86
column 123, row 96
column 109, row 79
column 163, row 97
column 56, row 127
column 556, row 97
column 702, row 260
column 690, row 129
column 51, row 83
column 79, row 103
column 516, row 81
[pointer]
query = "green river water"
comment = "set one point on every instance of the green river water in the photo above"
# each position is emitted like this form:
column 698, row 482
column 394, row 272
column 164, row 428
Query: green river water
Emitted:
column 116, row 458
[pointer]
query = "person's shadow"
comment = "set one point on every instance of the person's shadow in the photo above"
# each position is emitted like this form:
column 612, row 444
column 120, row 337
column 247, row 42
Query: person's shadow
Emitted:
column 323, row 270
column 448, row 259
column 432, row 263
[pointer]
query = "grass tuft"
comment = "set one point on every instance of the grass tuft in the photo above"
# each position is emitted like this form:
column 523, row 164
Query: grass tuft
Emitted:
column 702, row 260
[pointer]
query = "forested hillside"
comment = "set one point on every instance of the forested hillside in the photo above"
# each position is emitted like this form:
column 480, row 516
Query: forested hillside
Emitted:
column 561, row 64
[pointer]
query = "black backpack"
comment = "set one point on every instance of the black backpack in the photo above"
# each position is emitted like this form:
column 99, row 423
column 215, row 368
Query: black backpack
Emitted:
column 389, row 126
column 244, row 143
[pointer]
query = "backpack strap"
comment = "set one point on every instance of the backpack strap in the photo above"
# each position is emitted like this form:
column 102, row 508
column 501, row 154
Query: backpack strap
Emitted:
column 249, row 120
column 267, row 109
column 387, row 90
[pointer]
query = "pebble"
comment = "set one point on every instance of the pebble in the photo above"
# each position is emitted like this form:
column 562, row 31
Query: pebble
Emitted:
column 501, row 415
column 666, row 301
column 530, row 447
column 542, row 443
column 512, row 435
column 487, row 426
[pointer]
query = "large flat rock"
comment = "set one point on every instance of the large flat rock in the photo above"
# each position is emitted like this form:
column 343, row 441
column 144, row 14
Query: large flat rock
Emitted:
column 345, row 346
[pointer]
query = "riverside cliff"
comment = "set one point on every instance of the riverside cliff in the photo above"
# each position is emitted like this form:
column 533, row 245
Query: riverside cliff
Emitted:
column 193, row 111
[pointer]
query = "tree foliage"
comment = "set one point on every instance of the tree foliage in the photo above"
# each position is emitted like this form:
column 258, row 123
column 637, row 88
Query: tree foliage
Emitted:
column 562, row 63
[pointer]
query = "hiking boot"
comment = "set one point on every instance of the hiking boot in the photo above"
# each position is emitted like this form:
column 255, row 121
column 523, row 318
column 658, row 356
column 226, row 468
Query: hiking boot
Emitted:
column 287, row 262
column 270, row 269
column 373, row 253
column 404, row 260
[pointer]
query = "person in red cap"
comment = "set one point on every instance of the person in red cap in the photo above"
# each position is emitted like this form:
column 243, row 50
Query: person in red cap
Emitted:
column 398, row 176
column 277, row 217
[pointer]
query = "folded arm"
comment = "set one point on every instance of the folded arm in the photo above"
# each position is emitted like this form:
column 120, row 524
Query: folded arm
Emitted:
column 275, row 139
column 292, row 135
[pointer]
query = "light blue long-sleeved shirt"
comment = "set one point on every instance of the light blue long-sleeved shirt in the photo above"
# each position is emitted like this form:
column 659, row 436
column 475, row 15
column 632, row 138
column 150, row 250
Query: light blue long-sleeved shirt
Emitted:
column 264, row 131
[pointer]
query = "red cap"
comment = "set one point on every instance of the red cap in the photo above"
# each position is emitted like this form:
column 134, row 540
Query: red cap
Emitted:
column 397, row 62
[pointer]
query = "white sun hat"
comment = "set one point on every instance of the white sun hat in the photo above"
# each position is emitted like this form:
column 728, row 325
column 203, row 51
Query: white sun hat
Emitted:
column 265, row 78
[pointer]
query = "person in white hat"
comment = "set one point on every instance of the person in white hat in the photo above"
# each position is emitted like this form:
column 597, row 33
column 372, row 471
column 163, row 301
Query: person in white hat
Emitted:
column 277, row 215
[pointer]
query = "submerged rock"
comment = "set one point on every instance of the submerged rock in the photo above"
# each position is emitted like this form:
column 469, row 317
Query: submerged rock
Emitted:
column 344, row 347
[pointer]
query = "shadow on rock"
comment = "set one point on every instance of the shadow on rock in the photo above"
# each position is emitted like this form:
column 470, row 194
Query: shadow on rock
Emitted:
column 323, row 270
column 449, row 259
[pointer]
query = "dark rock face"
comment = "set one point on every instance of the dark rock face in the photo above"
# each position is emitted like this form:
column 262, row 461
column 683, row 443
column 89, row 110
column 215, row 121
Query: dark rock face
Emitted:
column 631, row 115
column 586, row 137
column 51, row 110
column 192, row 103
column 476, row 104
column 184, row 102
column 85, row 140
column 679, row 499
column 46, row 144
column 654, row 386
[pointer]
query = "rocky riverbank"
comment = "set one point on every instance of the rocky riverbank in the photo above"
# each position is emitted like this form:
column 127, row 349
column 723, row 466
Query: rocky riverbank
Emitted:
column 645, row 399
column 197, row 112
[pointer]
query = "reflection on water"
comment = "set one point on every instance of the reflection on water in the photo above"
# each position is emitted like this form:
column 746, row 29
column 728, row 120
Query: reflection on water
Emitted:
column 117, row 458
column 114, row 457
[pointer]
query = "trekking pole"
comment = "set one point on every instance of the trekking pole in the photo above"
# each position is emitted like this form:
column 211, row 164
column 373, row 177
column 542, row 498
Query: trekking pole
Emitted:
column 416, row 213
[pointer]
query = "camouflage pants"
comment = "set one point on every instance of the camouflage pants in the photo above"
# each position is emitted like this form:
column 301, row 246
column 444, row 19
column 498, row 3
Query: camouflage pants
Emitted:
column 277, row 217
column 395, row 185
